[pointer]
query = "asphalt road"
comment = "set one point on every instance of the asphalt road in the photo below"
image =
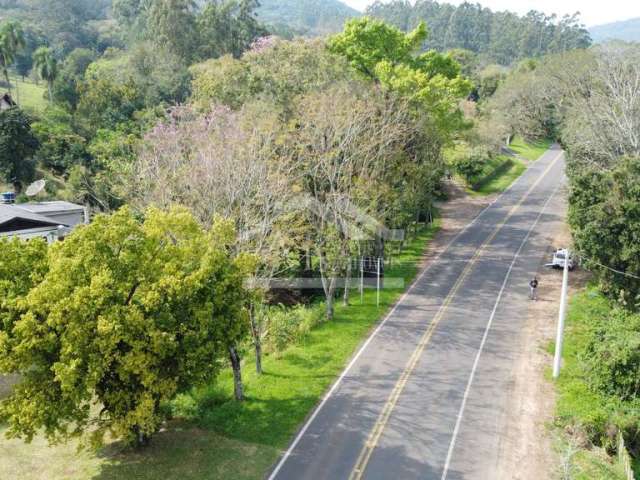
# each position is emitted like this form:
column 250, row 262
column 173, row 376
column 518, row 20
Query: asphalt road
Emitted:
column 425, row 397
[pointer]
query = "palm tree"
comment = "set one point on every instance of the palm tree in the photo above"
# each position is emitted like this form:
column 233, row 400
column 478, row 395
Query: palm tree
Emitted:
column 47, row 67
column 11, row 41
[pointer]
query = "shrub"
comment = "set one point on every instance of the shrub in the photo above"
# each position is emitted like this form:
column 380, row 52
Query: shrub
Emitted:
column 470, row 164
column 612, row 355
column 284, row 326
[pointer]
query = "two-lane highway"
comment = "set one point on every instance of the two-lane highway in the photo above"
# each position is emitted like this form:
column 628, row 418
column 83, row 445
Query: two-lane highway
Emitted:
column 424, row 397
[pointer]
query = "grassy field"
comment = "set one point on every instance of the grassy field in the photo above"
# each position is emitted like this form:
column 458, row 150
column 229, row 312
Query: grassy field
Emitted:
column 530, row 151
column 29, row 95
column 220, row 438
column 578, row 406
column 499, row 173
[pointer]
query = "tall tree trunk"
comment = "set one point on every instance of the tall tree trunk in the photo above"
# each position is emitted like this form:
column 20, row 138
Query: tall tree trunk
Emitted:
column 329, row 310
column 257, row 338
column 379, row 245
column 6, row 77
column 347, row 281
column 50, row 88
column 140, row 439
column 329, row 287
column 238, row 389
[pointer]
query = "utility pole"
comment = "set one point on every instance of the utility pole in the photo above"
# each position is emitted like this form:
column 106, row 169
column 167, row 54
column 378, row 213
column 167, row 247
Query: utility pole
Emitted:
column 557, row 360
column 361, row 280
column 378, row 284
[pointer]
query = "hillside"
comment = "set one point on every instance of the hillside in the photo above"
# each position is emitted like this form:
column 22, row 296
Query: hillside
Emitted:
column 628, row 30
column 306, row 17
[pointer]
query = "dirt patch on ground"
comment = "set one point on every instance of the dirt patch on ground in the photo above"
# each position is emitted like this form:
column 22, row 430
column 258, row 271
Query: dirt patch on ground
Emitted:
column 527, row 451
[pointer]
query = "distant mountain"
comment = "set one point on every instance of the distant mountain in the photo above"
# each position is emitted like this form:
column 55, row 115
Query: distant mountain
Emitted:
column 305, row 17
column 628, row 30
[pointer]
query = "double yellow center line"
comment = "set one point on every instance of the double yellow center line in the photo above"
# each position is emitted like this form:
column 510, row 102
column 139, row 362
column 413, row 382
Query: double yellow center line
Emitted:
column 374, row 437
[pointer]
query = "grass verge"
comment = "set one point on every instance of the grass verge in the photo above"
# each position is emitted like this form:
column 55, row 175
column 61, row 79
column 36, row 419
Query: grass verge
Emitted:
column 220, row 438
column 500, row 172
column 530, row 151
column 28, row 95
column 580, row 410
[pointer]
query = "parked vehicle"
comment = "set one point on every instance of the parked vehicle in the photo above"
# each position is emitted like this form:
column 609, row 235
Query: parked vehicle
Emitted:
column 561, row 256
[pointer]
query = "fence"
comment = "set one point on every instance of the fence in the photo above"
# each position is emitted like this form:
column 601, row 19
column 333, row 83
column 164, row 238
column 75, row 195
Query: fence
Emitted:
column 624, row 458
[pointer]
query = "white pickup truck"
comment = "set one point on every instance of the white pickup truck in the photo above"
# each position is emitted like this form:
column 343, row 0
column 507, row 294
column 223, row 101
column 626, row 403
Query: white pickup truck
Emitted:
column 560, row 257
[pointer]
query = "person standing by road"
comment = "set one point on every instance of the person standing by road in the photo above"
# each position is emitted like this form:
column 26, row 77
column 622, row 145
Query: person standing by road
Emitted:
column 533, row 285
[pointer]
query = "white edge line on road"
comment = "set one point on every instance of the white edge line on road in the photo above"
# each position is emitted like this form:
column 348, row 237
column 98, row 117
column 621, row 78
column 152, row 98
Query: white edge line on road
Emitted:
column 337, row 383
column 467, row 391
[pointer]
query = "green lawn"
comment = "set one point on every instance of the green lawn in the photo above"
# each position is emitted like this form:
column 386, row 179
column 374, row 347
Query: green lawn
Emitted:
column 220, row 438
column 29, row 95
column 530, row 151
column 499, row 173
column 577, row 405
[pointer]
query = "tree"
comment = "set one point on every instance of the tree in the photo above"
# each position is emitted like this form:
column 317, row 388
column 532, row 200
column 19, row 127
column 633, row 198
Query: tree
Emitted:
column 46, row 64
column 106, row 103
column 343, row 153
column 60, row 147
column 431, row 81
column 366, row 43
column 604, row 215
column 275, row 70
column 228, row 27
column 66, row 84
column 18, row 144
column 172, row 23
column 12, row 39
column 223, row 164
column 127, row 315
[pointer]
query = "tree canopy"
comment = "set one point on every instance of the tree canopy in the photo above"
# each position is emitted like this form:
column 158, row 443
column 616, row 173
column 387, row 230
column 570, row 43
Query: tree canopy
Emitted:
column 116, row 321
column 501, row 37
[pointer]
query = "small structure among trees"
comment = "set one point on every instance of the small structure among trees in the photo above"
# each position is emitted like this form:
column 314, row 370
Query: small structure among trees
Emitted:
column 6, row 102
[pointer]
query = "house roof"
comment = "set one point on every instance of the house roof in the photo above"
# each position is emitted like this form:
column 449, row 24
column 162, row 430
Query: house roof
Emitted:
column 45, row 208
column 11, row 213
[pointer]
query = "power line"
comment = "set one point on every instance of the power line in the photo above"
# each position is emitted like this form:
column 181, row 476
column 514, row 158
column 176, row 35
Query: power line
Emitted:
column 629, row 275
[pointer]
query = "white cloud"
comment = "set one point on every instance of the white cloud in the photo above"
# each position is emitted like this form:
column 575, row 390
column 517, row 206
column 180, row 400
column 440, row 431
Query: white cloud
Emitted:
column 593, row 12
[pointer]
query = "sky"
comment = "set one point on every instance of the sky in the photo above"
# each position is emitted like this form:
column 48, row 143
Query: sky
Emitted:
column 594, row 12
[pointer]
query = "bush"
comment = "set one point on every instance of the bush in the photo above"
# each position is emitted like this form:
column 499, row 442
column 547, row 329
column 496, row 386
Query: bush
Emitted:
column 599, row 383
column 612, row 355
column 470, row 164
column 284, row 326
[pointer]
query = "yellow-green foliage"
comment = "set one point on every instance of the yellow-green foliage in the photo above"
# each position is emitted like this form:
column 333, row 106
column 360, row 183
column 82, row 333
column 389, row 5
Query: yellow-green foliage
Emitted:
column 127, row 314
column 385, row 53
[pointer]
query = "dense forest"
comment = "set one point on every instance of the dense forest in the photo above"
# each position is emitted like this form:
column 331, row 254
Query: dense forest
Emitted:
column 305, row 17
column 500, row 37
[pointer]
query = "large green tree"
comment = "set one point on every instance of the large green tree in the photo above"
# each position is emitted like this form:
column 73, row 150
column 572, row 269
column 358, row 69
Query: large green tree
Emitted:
column 430, row 80
column 46, row 64
column 172, row 23
column 123, row 316
column 605, row 217
column 18, row 144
